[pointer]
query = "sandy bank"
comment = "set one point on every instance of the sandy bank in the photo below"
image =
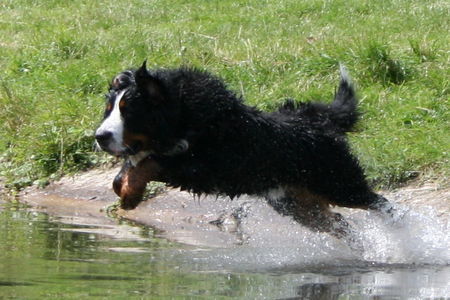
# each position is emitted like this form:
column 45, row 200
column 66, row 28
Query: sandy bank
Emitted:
column 177, row 215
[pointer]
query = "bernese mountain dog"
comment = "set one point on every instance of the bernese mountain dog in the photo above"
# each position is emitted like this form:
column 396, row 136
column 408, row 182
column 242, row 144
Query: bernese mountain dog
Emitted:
column 186, row 128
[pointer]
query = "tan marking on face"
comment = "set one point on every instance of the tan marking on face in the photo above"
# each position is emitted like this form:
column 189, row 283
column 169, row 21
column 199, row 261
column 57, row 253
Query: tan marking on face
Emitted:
column 130, row 139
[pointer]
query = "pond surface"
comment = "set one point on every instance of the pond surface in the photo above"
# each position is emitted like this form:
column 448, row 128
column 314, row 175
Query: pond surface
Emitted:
column 55, row 257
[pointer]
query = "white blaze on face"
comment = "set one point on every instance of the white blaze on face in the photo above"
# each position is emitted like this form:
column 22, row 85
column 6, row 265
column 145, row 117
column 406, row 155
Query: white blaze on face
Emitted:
column 114, row 124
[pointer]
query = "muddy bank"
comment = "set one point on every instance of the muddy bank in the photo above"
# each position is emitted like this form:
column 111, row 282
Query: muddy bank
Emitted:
column 208, row 221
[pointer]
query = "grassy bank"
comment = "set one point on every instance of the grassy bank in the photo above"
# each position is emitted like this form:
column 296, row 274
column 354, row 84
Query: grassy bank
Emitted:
column 58, row 56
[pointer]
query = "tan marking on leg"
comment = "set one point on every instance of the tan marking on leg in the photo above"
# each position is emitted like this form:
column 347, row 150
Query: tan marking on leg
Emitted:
column 130, row 183
column 313, row 210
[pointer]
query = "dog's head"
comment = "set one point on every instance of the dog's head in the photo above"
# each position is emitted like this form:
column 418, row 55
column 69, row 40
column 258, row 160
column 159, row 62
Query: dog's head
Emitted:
column 140, row 116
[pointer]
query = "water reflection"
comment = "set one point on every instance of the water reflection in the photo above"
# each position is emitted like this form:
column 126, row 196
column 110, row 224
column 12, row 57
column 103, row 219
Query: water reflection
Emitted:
column 397, row 283
column 47, row 257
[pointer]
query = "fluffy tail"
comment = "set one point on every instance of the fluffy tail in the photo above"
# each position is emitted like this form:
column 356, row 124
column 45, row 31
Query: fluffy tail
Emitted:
column 343, row 110
column 341, row 114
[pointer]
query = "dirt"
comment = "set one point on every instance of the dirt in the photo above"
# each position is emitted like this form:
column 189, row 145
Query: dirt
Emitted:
column 208, row 221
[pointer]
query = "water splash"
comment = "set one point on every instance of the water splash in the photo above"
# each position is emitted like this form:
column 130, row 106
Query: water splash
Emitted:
column 409, row 237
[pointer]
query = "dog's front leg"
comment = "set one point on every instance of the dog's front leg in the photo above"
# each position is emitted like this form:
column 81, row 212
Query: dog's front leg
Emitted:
column 130, row 183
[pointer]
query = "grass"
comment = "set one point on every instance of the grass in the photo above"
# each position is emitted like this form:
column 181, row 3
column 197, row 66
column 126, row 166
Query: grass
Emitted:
column 58, row 56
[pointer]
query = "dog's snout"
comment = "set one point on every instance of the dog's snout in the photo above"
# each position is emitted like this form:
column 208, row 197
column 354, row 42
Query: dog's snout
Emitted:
column 103, row 137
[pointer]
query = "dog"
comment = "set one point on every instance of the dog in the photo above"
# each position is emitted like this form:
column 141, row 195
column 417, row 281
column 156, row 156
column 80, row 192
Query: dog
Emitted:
column 186, row 128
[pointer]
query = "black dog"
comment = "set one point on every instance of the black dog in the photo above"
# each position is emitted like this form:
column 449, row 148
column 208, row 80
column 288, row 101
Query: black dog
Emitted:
column 186, row 128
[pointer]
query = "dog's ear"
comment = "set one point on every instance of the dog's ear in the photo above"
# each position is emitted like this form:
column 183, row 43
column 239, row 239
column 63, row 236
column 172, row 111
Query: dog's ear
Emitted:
column 149, row 85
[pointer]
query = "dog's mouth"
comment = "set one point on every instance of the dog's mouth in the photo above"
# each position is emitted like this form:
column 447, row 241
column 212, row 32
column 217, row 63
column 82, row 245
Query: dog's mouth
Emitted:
column 110, row 149
column 122, row 150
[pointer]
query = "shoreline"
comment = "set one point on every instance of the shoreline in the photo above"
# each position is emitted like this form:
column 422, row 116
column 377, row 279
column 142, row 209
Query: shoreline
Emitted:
column 176, row 215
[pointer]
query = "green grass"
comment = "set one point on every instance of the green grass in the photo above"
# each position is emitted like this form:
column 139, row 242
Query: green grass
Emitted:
column 57, row 57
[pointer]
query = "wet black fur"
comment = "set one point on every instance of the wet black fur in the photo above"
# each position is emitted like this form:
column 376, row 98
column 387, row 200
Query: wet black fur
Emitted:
column 237, row 149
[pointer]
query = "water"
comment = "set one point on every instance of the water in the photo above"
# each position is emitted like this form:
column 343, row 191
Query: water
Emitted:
column 41, row 256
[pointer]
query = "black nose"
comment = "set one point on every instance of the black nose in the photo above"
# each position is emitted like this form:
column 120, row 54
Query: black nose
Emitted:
column 103, row 137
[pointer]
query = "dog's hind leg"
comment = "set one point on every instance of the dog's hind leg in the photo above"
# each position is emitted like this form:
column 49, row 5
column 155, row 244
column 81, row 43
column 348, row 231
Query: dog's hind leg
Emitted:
column 319, row 217
column 311, row 210
column 130, row 183
column 386, row 209
column 366, row 199
column 314, row 212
